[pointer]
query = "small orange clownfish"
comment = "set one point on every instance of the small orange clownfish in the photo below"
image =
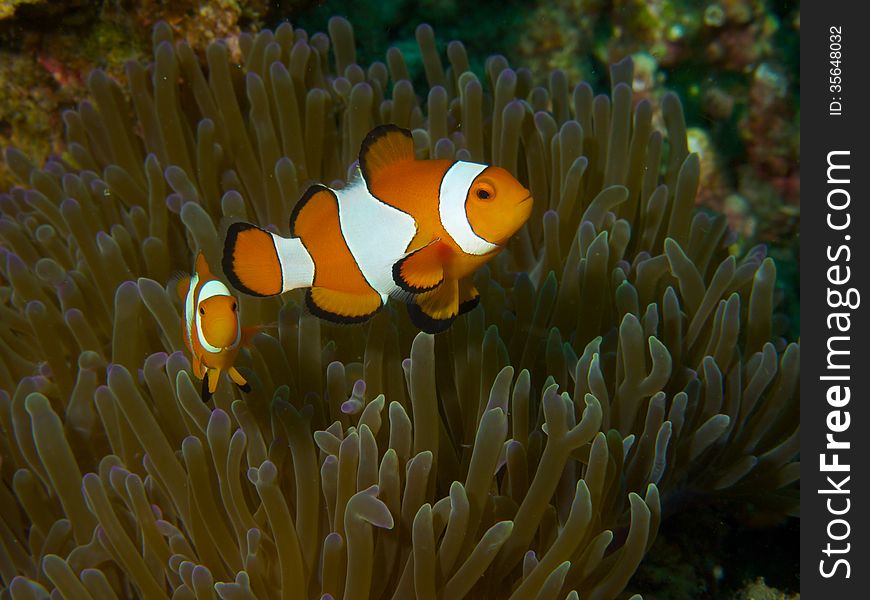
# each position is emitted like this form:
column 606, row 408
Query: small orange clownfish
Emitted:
column 413, row 229
column 211, row 330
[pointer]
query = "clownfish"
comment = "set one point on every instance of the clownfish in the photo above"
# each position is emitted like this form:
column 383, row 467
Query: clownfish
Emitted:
column 211, row 329
column 412, row 229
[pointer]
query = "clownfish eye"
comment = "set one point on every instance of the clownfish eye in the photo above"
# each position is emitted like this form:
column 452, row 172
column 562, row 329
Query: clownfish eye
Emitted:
column 485, row 191
column 201, row 310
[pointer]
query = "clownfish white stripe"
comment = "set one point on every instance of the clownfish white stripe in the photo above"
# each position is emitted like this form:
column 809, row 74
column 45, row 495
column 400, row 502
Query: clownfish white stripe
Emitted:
column 190, row 307
column 213, row 288
column 297, row 267
column 359, row 214
column 451, row 207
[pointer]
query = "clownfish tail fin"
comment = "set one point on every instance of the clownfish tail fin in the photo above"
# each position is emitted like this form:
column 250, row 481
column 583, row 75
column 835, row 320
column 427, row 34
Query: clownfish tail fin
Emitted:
column 250, row 260
column 261, row 263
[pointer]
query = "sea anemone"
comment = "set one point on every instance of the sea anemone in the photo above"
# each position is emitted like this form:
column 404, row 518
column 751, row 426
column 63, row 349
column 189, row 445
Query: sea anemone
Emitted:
column 620, row 356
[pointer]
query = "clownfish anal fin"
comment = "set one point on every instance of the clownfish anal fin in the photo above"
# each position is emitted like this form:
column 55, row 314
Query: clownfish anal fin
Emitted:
column 469, row 297
column 422, row 270
column 435, row 311
column 425, row 323
column 342, row 307
column 383, row 146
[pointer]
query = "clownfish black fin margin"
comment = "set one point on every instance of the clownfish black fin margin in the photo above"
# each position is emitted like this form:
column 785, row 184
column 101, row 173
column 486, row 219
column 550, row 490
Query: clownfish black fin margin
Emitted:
column 421, row 271
column 383, row 146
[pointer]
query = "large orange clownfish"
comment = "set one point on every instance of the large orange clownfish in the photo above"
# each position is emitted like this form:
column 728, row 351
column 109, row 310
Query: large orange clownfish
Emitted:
column 411, row 229
column 211, row 329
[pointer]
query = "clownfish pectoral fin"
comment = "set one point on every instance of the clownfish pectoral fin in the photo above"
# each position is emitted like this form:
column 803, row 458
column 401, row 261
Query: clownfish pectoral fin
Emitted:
column 343, row 307
column 422, row 270
column 239, row 379
column 469, row 297
column 248, row 334
column 382, row 147
column 434, row 311
column 251, row 261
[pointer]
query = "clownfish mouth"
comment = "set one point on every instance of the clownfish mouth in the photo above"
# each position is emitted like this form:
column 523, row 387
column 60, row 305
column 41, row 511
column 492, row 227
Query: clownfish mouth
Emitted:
column 526, row 199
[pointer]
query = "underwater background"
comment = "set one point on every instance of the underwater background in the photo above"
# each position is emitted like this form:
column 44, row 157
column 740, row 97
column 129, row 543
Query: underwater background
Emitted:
column 618, row 417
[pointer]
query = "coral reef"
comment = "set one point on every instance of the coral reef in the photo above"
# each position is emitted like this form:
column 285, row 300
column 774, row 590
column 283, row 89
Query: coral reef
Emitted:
column 771, row 131
column 731, row 60
column 731, row 35
column 682, row 566
column 621, row 357
column 29, row 118
column 48, row 48
column 758, row 590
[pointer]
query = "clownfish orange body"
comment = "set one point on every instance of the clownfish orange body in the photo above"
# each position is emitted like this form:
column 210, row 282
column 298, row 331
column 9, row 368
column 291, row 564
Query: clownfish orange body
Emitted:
column 412, row 229
column 211, row 329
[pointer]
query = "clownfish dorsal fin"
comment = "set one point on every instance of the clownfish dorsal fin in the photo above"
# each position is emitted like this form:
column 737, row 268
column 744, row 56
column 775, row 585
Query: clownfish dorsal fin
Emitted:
column 422, row 270
column 201, row 266
column 384, row 146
